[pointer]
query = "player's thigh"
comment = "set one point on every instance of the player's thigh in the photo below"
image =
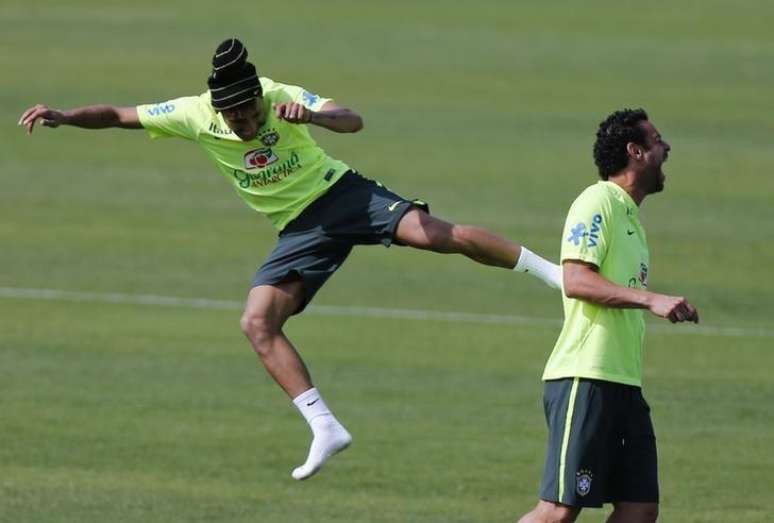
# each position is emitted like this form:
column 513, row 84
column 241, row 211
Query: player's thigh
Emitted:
column 630, row 512
column 637, row 468
column 421, row 230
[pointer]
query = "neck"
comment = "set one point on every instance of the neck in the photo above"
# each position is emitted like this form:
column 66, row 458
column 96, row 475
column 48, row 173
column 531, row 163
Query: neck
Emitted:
column 627, row 180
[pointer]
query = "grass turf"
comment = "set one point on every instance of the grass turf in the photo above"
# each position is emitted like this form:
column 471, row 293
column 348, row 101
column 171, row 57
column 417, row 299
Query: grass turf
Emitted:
column 130, row 413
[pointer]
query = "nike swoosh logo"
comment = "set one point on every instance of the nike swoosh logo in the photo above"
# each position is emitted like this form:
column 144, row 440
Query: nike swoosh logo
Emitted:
column 393, row 206
column 629, row 232
column 312, row 402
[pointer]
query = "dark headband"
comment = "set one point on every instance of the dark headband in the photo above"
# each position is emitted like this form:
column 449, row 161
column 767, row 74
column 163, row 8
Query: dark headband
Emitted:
column 233, row 80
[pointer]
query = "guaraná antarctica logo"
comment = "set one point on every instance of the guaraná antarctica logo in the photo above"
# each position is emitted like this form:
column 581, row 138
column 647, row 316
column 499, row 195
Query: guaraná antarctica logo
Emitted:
column 259, row 158
column 271, row 174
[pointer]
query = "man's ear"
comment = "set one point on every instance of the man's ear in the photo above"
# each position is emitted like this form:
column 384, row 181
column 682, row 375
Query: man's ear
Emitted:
column 634, row 151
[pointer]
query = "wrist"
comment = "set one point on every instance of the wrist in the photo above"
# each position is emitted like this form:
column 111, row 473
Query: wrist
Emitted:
column 646, row 299
column 311, row 118
column 66, row 117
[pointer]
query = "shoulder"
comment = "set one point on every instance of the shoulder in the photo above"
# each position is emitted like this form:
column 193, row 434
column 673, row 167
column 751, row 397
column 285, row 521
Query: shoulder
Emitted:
column 199, row 104
column 276, row 91
column 597, row 195
column 176, row 107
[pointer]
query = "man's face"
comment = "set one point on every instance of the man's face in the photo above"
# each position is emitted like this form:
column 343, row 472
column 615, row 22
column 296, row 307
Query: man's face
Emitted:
column 654, row 154
column 246, row 119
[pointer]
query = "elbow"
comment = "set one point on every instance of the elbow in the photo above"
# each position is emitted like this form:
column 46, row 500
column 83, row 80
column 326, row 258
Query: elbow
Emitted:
column 578, row 281
column 357, row 124
column 572, row 289
column 571, row 293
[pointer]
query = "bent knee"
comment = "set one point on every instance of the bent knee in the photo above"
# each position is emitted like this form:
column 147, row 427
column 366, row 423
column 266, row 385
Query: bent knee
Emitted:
column 258, row 327
column 464, row 235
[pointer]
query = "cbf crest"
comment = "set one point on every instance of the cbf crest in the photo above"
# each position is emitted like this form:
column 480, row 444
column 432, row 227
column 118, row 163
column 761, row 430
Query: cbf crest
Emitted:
column 583, row 482
column 270, row 138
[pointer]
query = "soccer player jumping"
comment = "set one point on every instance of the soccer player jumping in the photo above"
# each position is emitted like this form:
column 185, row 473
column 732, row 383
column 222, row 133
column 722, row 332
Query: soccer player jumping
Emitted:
column 257, row 133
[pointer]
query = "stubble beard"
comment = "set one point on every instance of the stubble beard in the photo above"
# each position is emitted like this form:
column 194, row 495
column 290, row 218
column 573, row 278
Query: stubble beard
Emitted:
column 655, row 181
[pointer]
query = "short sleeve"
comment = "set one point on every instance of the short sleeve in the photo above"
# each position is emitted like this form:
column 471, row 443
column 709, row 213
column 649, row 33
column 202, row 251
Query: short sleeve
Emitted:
column 588, row 229
column 173, row 118
column 300, row 95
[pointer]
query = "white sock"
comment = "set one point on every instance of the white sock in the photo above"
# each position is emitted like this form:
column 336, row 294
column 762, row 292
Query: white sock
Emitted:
column 530, row 262
column 328, row 435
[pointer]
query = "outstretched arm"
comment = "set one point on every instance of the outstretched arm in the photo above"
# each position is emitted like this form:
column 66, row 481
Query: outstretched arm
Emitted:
column 583, row 281
column 330, row 116
column 91, row 117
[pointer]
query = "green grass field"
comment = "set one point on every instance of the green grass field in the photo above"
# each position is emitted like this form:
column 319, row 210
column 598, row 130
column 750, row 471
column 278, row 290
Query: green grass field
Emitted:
column 131, row 412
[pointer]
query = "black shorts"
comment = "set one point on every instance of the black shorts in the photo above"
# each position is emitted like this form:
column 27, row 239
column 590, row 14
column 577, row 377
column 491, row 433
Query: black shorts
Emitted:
column 601, row 444
column 355, row 211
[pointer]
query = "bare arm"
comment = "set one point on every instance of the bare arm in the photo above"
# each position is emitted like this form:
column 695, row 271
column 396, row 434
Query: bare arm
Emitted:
column 90, row 117
column 582, row 281
column 330, row 116
column 338, row 119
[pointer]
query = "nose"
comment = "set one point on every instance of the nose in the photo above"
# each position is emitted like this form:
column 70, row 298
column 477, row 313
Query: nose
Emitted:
column 667, row 147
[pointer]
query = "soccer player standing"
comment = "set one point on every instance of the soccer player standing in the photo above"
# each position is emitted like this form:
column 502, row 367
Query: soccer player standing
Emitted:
column 256, row 132
column 601, row 444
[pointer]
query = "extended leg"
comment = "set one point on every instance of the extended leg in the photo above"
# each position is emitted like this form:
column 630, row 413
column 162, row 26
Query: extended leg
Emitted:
column 423, row 231
column 267, row 309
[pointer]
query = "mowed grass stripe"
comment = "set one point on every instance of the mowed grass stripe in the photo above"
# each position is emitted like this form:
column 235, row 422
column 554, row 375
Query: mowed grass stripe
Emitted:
column 353, row 311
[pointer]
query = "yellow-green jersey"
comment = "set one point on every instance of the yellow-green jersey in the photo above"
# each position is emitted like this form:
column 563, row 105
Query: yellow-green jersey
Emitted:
column 278, row 173
column 598, row 342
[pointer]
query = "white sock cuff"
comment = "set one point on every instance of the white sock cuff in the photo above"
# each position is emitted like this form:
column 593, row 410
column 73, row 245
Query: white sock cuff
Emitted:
column 311, row 404
column 530, row 262
column 526, row 260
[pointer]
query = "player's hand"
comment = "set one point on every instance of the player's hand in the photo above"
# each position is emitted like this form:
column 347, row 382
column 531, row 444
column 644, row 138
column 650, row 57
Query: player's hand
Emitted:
column 47, row 117
column 673, row 308
column 293, row 112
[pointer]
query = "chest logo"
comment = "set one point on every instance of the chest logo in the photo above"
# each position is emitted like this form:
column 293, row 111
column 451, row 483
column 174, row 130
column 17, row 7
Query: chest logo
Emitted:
column 260, row 158
column 270, row 139
column 215, row 129
column 643, row 275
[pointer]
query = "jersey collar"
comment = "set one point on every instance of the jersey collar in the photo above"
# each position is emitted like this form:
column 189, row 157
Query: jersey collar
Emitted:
column 631, row 207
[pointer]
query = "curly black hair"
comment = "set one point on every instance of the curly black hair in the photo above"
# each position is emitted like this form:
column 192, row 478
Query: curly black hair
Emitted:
column 613, row 134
